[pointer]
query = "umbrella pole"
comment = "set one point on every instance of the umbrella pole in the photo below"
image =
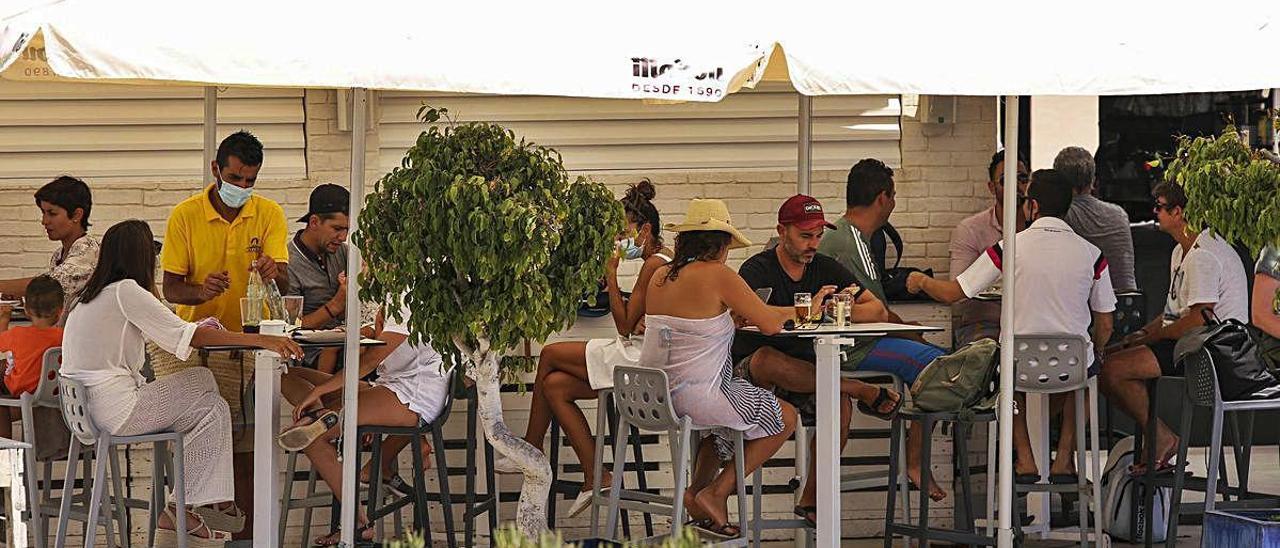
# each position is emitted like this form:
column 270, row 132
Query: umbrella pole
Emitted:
column 351, row 351
column 804, row 148
column 1010, row 216
column 210, row 130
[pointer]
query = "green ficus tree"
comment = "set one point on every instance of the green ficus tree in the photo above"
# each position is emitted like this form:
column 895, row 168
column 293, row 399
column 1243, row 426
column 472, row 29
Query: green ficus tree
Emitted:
column 488, row 242
column 1231, row 189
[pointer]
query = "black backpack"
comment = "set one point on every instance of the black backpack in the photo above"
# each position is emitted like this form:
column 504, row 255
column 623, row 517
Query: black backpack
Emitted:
column 894, row 279
column 1241, row 373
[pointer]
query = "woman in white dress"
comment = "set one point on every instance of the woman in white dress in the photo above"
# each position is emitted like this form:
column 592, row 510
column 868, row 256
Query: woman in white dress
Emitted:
column 574, row 370
column 103, row 347
column 690, row 322
column 411, row 387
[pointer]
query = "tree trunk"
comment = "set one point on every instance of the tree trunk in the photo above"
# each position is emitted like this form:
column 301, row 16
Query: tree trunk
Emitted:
column 531, row 514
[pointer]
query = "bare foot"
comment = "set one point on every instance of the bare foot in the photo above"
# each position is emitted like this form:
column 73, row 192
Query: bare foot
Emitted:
column 935, row 491
column 691, row 505
column 713, row 508
column 1164, row 453
column 334, row 538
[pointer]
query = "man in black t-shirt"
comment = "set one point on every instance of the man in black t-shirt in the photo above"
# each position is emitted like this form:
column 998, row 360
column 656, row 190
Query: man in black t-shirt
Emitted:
column 786, row 364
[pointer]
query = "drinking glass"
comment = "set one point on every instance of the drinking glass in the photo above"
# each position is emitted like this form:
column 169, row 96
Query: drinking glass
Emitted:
column 803, row 303
column 843, row 308
column 250, row 314
column 293, row 310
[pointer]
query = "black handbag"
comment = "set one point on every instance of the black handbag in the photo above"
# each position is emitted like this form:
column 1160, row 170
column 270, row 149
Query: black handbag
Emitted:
column 1241, row 374
column 894, row 279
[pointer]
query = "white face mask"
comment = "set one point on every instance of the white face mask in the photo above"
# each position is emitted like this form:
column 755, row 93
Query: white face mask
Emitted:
column 232, row 195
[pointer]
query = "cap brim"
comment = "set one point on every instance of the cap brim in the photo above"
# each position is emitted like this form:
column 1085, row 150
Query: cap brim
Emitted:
column 305, row 218
column 814, row 223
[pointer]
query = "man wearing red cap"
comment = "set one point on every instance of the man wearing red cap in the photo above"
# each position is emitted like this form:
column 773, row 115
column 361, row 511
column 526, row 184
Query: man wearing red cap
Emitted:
column 787, row 364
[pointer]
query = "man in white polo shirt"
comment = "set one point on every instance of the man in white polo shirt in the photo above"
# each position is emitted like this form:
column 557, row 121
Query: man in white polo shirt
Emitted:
column 1205, row 275
column 1063, row 286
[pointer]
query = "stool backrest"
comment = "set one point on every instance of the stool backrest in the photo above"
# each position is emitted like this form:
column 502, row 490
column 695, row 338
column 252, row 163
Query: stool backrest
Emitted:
column 75, row 410
column 47, row 389
column 1202, row 379
column 1050, row 363
column 643, row 397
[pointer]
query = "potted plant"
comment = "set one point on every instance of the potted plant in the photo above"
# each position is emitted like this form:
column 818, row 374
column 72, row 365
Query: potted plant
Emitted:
column 488, row 242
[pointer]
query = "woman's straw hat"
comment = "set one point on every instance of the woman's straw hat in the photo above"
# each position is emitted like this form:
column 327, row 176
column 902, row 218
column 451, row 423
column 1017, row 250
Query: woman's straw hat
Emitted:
column 710, row 215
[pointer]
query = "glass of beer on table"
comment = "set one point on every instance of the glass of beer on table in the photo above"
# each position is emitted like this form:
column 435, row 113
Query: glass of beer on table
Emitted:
column 804, row 308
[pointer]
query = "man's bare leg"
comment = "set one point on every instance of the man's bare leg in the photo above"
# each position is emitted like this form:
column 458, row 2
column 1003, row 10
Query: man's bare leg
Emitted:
column 810, row 493
column 1123, row 380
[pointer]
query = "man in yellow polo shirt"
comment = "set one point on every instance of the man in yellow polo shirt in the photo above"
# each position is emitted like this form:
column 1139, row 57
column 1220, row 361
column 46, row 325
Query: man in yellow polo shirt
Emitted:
column 213, row 240
column 216, row 237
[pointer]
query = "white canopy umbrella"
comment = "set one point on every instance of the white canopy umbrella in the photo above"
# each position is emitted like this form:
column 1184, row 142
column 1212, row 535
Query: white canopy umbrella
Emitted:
column 672, row 51
column 662, row 50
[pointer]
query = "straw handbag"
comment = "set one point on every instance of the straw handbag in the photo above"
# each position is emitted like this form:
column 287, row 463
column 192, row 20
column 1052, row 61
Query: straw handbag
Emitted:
column 233, row 372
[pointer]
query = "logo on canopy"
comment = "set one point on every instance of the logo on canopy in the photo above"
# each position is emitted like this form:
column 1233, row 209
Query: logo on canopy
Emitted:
column 675, row 79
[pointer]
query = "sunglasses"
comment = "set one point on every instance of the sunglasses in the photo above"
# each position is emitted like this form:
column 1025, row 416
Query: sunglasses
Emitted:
column 156, row 246
column 1163, row 206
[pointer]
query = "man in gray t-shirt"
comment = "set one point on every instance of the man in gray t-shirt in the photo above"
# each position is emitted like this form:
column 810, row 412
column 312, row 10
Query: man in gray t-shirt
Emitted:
column 318, row 258
column 1105, row 225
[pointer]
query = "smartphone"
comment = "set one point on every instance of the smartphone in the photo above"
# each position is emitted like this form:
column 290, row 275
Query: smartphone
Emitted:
column 764, row 293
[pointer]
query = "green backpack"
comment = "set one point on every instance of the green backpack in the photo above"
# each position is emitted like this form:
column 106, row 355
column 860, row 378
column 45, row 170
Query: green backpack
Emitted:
column 964, row 380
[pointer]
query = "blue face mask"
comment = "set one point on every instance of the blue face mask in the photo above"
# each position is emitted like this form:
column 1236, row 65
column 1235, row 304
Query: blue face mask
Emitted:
column 630, row 249
column 232, row 195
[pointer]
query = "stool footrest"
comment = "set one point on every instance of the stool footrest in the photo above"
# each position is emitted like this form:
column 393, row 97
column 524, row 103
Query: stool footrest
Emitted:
column 638, row 496
column 935, row 534
column 1053, row 488
column 649, row 507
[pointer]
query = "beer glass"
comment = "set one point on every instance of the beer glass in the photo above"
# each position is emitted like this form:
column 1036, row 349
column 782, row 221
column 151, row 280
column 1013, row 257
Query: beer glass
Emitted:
column 804, row 304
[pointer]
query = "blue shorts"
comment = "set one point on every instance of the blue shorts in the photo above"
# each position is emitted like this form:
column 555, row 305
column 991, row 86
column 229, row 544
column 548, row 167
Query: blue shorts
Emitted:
column 902, row 357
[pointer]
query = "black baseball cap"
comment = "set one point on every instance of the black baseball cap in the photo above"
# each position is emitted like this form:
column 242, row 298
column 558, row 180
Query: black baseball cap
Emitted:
column 327, row 198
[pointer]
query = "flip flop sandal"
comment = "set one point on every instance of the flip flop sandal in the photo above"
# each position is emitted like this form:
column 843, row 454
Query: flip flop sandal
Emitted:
column 720, row 532
column 804, row 511
column 882, row 396
column 297, row 438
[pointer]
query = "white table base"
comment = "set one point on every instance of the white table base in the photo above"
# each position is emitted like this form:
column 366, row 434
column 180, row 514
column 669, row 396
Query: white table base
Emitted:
column 828, row 450
column 266, row 456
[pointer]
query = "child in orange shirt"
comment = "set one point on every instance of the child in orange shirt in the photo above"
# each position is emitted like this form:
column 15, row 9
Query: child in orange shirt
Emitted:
column 26, row 345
